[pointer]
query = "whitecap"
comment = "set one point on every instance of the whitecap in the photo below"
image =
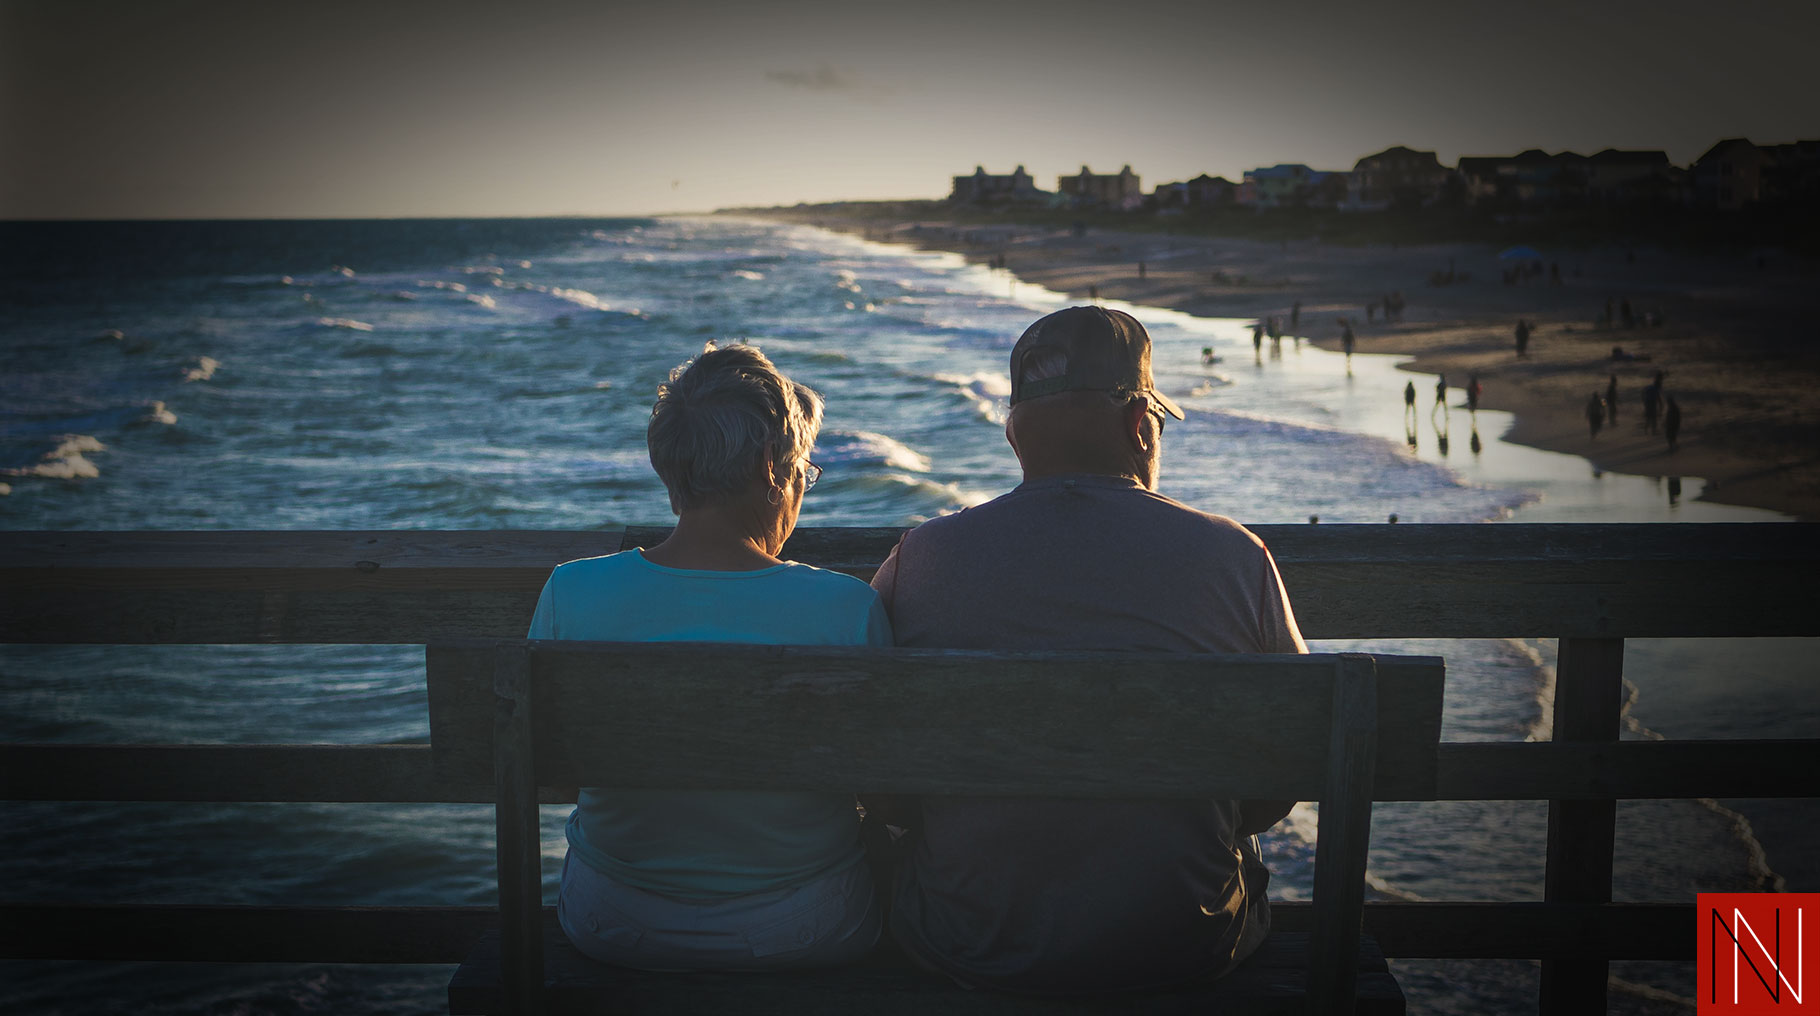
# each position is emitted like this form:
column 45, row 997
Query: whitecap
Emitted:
column 579, row 297
column 482, row 270
column 989, row 383
column 157, row 413
column 204, row 369
column 483, row 300
column 348, row 323
column 64, row 462
column 341, row 270
column 865, row 447
column 748, row 274
column 453, row 287
column 5, row 489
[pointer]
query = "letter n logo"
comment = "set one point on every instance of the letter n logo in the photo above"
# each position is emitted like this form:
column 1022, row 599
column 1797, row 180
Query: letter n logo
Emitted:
column 1752, row 953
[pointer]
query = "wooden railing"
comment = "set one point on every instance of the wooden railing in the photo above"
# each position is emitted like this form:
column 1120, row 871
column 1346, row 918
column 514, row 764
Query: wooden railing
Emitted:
column 1590, row 586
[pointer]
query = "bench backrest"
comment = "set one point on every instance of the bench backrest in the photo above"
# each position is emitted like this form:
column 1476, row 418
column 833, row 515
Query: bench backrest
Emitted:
column 1342, row 730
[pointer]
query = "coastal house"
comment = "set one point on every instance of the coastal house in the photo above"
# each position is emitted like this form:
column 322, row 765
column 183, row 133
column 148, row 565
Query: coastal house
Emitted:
column 1396, row 176
column 1088, row 189
column 1793, row 173
column 1201, row 192
column 1627, row 177
column 981, row 187
column 1533, row 177
column 1292, row 185
column 1211, row 191
column 1735, row 173
column 1481, row 180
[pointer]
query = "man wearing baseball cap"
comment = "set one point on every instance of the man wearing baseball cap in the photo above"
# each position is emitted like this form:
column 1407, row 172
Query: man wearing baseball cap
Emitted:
column 1054, row 896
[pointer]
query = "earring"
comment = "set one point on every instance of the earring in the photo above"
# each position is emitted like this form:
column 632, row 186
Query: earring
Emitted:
column 774, row 496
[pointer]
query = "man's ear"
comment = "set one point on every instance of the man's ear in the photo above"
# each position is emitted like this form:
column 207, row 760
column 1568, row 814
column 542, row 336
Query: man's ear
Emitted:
column 1133, row 423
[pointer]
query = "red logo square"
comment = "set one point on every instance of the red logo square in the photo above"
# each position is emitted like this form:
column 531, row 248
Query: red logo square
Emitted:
column 1753, row 952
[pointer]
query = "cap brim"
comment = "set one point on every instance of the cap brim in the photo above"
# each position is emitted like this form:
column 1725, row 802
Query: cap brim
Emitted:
column 1167, row 403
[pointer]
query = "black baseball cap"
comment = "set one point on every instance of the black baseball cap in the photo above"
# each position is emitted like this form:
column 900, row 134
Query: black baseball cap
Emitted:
column 1107, row 350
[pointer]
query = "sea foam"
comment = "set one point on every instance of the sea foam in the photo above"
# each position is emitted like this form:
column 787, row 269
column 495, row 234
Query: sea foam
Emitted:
column 64, row 462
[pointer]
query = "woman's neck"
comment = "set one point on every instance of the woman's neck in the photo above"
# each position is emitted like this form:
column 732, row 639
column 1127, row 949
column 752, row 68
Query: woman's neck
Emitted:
column 718, row 537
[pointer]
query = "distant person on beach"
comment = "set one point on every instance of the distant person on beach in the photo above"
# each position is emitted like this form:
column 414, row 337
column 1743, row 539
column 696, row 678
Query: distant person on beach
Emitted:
column 662, row 880
column 1441, row 391
column 1058, row 896
column 1522, row 338
column 1652, row 403
column 1595, row 413
column 1671, row 423
column 1257, row 337
column 1611, row 401
column 1473, row 389
column 1295, row 318
column 1624, row 313
column 1409, row 396
column 1347, row 340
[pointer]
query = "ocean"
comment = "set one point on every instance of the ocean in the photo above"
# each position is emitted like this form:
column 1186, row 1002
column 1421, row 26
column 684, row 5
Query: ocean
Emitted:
column 496, row 374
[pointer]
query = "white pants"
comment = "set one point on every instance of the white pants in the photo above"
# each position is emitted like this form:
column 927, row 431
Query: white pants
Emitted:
column 831, row 920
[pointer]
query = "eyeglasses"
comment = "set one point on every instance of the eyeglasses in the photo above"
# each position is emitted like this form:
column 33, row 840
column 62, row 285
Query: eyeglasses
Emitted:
column 1162, row 417
column 811, row 473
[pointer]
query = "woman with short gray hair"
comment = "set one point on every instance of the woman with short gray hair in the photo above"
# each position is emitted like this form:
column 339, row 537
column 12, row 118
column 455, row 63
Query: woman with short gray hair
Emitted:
column 673, row 880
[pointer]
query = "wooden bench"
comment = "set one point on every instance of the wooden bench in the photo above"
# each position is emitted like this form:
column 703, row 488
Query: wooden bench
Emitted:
column 1343, row 730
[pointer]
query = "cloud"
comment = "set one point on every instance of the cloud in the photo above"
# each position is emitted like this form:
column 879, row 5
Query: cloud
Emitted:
column 827, row 78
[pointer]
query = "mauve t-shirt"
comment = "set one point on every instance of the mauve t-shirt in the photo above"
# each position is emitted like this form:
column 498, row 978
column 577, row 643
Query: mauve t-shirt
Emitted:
column 1047, row 895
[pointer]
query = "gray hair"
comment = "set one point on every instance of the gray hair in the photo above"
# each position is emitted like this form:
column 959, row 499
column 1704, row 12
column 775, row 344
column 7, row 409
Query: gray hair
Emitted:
column 718, row 417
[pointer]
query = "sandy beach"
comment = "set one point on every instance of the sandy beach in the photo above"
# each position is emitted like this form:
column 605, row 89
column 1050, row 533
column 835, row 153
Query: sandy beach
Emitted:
column 1737, row 338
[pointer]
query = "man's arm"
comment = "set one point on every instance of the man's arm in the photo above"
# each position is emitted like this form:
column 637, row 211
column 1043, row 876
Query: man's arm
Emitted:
column 901, row 810
column 1257, row 816
column 1278, row 633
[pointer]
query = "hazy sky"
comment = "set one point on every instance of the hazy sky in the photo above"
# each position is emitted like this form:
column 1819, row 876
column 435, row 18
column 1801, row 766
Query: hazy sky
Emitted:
column 169, row 109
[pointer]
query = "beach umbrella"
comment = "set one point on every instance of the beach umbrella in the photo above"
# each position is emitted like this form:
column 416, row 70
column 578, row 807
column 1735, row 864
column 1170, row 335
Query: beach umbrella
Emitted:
column 1520, row 254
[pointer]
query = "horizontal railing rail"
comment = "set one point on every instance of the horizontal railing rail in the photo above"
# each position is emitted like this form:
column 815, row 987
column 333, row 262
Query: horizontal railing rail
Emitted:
column 1590, row 586
column 405, row 934
column 402, row 773
column 1347, row 581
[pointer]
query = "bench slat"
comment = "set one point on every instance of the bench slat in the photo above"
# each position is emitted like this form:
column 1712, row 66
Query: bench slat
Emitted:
column 681, row 716
column 1270, row 982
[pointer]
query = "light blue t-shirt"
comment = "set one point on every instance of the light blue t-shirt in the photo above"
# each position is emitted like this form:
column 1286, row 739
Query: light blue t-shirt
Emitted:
column 710, row 844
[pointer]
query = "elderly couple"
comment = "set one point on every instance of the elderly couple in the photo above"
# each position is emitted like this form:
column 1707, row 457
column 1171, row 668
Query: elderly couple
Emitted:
column 1028, row 895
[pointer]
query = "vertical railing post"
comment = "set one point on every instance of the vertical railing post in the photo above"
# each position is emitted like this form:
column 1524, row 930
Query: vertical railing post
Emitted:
column 519, row 849
column 1344, row 839
column 1589, row 696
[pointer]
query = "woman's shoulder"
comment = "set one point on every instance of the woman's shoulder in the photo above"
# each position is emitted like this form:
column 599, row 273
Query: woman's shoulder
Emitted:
column 590, row 568
column 821, row 585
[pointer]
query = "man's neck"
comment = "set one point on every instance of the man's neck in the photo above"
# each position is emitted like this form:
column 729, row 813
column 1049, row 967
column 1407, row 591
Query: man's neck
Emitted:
column 1033, row 474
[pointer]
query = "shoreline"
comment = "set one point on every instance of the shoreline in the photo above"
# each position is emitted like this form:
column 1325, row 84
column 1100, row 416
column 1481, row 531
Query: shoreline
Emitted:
column 1737, row 343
